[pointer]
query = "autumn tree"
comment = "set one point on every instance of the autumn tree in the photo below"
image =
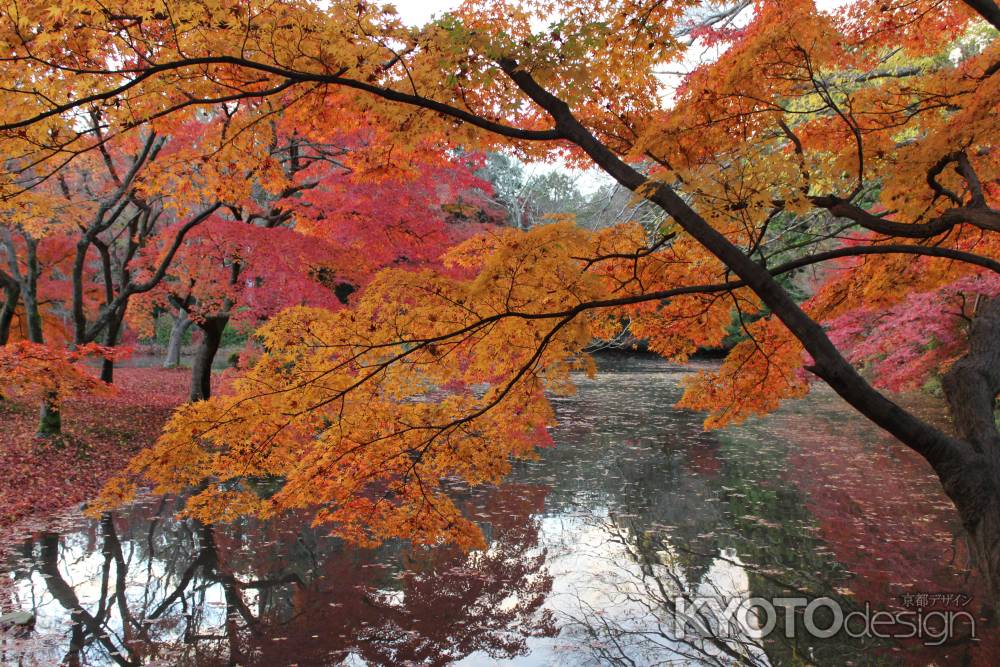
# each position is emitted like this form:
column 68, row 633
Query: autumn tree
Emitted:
column 72, row 240
column 31, row 307
column 229, row 271
column 882, row 114
column 337, row 219
column 130, row 213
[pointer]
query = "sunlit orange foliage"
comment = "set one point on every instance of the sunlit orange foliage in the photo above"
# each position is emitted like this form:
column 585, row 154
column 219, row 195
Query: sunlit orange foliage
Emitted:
column 861, row 141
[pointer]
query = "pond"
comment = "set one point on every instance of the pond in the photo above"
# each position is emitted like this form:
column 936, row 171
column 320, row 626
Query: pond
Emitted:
column 603, row 551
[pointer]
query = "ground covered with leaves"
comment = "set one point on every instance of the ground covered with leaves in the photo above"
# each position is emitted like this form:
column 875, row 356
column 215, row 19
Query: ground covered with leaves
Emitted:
column 100, row 435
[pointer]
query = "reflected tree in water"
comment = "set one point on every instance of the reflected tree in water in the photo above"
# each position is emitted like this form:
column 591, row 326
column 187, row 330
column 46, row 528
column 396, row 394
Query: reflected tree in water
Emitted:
column 691, row 507
column 253, row 593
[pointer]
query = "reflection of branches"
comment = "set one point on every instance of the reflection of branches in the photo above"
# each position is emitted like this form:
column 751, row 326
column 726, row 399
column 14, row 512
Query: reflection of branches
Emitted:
column 643, row 603
column 87, row 627
column 213, row 595
column 648, row 583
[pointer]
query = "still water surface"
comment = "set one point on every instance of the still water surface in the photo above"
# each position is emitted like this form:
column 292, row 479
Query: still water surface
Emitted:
column 590, row 547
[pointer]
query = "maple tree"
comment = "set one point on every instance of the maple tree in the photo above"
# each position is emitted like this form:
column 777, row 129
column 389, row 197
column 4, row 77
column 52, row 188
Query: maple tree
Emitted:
column 71, row 244
column 319, row 239
column 30, row 319
column 129, row 215
column 880, row 116
column 30, row 288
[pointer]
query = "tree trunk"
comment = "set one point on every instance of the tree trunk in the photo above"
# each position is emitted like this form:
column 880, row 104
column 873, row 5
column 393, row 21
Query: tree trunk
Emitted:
column 971, row 386
column 108, row 370
column 177, row 331
column 201, row 370
column 983, row 526
column 29, row 293
column 111, row 334
column 12, row 295
column 49, row 417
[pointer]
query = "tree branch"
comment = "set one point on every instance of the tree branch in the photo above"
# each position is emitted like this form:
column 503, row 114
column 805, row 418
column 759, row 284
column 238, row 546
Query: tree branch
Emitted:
column 946, row 454
column 987, row 9
column 291, row 77
column 982, row 217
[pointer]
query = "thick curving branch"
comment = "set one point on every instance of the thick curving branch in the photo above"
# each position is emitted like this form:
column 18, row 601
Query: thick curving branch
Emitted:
column 980, row 216
column 290, row 77
column 948, row 455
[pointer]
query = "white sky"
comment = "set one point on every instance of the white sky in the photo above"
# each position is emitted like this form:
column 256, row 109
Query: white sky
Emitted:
column 418, row 12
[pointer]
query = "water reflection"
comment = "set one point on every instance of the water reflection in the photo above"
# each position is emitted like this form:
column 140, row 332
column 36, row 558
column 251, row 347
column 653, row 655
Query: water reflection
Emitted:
column 140, row 589
column 591, row 548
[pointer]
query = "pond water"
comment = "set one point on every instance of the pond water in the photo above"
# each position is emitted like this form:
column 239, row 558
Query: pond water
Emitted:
column 597, row 552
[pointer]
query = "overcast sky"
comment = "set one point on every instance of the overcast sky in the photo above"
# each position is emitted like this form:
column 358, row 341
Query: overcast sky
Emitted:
column 417, row 12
